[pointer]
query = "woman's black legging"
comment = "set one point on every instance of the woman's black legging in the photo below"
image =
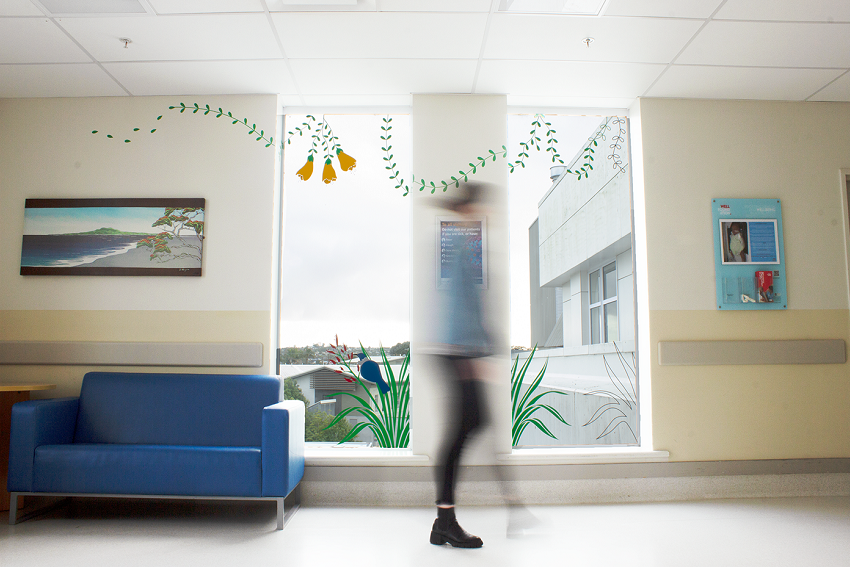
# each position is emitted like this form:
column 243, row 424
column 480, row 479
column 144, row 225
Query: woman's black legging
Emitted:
column 469, row 416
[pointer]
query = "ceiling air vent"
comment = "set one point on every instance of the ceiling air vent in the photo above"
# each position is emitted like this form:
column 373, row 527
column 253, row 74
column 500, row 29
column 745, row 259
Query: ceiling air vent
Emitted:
column 567, row 7
column 67, row 8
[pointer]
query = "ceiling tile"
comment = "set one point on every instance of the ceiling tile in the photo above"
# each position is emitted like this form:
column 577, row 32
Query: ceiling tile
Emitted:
column 36, row 40
column 204, row 6
column 170, row 38
column 68, row 80
column 647, row 40
column 662, row 8
column 382, row 76
column 380, row 35
column 839, row 91
column 566, row 78
column 684, row 81
column 434, row 6
column 18, row 8
column 786, row 10
column 203, row 77
column 770, row 45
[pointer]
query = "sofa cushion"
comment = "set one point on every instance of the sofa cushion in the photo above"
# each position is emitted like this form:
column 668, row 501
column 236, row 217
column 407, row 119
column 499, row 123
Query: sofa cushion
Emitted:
column 174, row 409
column 148, row 469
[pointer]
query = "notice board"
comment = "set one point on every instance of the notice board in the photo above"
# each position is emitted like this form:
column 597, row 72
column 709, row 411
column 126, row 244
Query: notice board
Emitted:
column 749, row 255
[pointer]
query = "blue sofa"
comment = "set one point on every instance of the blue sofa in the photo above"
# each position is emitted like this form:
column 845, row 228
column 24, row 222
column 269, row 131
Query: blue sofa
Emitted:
column 206, row 436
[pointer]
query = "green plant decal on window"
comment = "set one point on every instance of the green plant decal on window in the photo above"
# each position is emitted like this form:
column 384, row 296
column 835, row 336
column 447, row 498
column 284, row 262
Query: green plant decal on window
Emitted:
column 388, row 416
column 524, row 406
column 624, row 397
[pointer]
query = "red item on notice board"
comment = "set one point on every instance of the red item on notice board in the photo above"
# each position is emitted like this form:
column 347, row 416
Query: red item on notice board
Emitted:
column 764, row 279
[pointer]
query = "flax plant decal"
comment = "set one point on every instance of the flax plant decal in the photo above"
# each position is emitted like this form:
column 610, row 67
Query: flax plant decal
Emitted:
column 623, row 397
column 524, row 406
column 388, row 416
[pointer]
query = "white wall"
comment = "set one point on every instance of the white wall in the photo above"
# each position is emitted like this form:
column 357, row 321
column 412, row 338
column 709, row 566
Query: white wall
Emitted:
column 47, row 150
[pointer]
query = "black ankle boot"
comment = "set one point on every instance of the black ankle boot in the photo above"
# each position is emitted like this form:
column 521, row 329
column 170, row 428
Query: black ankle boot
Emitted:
column 447, row 530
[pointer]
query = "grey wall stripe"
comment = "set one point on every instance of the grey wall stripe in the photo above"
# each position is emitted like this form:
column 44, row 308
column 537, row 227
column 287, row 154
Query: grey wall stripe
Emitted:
column 710, row 353
column 93, row 353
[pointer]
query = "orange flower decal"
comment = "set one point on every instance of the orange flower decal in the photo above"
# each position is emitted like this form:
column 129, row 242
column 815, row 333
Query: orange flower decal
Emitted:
column 305, row 172
column 328, row 174
column 346, row 162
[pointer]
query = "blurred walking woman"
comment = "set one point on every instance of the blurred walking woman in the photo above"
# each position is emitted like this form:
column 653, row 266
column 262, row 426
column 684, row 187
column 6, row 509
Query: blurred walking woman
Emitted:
column 464, row 337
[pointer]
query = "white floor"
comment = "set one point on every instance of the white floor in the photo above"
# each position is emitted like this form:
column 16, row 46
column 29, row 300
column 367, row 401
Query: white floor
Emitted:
column 775, row 532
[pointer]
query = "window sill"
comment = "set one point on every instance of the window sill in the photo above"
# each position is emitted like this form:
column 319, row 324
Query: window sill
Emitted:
column 583, row 456
column 376, row 457
column 363, row 456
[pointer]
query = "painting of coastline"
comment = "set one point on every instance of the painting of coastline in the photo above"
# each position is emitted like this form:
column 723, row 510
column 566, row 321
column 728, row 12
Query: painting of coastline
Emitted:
column 113, row 237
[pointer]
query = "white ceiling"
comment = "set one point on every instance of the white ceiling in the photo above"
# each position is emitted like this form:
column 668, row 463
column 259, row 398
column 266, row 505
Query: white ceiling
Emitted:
column 378, row 52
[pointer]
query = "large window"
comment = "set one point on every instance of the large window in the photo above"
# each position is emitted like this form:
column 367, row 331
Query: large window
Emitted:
column 344, row 269
column 581, row 286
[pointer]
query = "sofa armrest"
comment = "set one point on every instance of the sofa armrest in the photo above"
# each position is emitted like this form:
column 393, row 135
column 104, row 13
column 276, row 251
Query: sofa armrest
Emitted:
column 35, row 423
column 283, row 447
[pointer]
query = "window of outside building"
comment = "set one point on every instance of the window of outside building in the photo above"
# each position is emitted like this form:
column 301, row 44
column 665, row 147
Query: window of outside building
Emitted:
column 603, row 305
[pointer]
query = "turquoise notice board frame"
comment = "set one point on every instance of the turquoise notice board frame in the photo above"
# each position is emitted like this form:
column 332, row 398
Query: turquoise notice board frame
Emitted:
column 749, row 254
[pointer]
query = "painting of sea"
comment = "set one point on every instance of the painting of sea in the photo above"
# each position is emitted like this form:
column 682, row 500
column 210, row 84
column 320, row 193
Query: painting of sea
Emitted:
column 113, row 237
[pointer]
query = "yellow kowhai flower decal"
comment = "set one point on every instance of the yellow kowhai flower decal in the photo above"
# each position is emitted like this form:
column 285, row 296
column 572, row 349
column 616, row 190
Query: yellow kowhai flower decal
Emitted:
column 328, row 173
column 323, row 141
column 346, row 162
column 305, row 172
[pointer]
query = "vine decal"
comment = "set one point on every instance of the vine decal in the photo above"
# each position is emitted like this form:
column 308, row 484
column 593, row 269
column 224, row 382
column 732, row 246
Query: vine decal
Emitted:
column 325, row 146
column 586, row 156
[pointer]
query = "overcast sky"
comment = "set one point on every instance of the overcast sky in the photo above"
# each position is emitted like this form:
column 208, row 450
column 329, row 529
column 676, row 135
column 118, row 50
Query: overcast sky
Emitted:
column 345, row 265
column 84, row 219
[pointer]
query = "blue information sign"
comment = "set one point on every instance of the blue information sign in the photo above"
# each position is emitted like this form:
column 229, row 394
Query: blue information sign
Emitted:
column 749, row 254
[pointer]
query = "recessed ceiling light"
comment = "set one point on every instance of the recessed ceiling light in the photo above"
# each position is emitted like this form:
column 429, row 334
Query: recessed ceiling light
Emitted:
column 568, row 7
column 272, row 4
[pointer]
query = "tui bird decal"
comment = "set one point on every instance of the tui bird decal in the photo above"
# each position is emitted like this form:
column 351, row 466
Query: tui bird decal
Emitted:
column 371, row 372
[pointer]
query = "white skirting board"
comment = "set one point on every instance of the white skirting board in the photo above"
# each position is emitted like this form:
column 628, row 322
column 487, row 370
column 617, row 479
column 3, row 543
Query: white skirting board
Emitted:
column 580, row 491
column 92, row 353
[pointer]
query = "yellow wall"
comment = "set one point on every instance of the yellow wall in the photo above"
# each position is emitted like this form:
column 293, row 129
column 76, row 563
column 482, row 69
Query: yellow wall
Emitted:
column 698, row 150
column 47, row 150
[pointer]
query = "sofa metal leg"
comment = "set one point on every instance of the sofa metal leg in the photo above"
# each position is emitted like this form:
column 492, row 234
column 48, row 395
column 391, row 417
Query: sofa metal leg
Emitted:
column 13, row 508
column 286, row 507
column 280, row 513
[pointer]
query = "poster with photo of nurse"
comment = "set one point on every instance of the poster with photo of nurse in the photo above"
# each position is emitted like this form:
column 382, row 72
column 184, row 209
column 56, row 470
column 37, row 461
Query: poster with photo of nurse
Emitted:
column 749, row 241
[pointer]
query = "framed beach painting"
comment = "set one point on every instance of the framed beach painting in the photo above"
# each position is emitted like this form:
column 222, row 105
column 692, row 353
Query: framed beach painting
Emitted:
column 113, row 237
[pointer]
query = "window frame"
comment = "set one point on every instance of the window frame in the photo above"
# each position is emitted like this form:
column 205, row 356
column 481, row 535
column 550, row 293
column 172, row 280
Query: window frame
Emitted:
column 602, row 302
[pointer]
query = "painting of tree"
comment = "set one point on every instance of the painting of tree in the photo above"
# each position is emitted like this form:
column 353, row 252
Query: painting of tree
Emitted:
column 181, row 235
